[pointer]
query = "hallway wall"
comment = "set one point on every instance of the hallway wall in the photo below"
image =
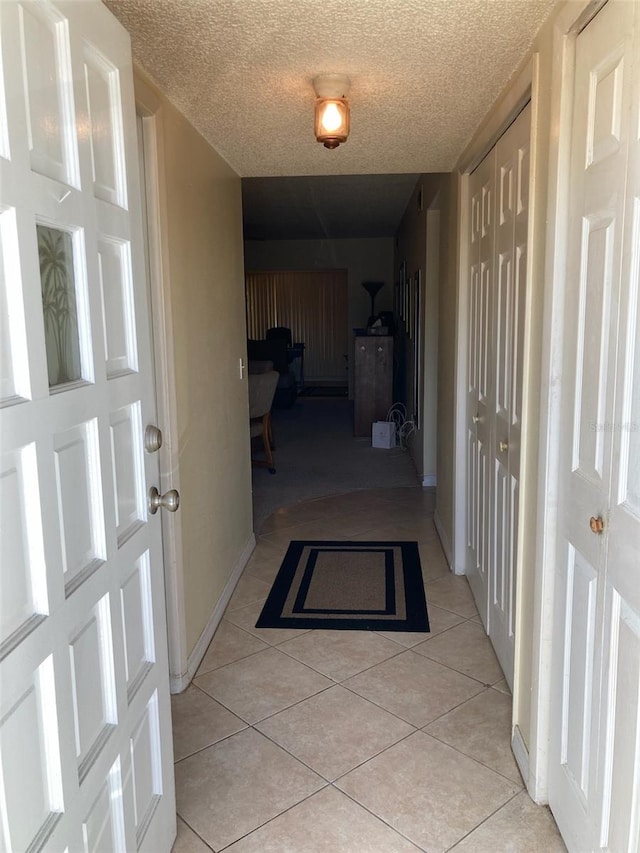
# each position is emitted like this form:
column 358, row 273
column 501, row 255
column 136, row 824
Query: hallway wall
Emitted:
column 412, row 244
column 201, row 225
column 365, row 259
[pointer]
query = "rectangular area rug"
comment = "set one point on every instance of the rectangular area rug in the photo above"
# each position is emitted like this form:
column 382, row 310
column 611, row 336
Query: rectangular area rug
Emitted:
column 369, row 586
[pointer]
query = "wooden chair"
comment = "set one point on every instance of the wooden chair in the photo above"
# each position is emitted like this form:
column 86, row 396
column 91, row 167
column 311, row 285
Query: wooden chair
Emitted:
column 262, row 387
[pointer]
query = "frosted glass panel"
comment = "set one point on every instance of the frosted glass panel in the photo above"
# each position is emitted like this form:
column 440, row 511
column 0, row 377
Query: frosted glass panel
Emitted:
column 55, row 250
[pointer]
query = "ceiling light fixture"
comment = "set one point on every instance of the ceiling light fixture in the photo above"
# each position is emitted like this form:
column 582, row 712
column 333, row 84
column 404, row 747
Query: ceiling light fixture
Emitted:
column 332, row 109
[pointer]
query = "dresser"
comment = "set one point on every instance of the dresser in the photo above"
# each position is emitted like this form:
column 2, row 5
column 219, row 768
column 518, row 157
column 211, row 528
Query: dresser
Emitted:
column 373, row 381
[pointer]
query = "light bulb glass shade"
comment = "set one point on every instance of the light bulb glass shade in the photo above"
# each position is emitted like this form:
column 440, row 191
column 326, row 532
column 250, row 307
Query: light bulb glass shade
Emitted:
column 332, row 121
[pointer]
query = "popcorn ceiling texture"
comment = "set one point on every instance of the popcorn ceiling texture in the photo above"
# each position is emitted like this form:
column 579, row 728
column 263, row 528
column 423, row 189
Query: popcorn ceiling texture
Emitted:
column 423, row 74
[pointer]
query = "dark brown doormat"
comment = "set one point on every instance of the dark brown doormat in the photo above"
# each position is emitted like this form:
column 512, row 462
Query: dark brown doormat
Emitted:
column 366, row 586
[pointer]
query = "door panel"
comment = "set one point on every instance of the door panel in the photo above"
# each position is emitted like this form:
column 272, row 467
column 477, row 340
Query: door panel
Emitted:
column 595, row 795
column 578, row 654
column 480, row 379
column 85, row 732
column 620, row 794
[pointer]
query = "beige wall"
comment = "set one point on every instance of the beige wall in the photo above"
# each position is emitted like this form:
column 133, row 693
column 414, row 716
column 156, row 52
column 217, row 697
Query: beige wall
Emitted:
column 203, row 253
column 411, row 247
column 365, row 259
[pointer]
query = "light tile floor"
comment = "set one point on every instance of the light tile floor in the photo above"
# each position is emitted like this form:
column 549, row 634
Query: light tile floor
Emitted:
column 294, row 741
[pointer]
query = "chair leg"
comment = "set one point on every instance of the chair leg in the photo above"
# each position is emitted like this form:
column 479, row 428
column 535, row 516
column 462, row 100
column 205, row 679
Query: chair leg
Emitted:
column 271, row 441
column 266, row 432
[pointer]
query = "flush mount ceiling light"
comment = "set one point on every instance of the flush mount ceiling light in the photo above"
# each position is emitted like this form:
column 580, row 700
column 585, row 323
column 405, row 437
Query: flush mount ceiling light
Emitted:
column 332, row 109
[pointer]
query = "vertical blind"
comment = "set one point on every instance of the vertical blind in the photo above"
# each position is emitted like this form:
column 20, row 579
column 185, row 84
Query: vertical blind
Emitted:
column 314, row 306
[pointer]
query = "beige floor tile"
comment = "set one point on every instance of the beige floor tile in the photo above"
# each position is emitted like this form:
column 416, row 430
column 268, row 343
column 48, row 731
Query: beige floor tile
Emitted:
column 426, row 790
column 439, row 620
column 414, row 688
column 343, row 526
column 416, row 497
column 265, row 562
column 229, row 643
column 388, row 529
column 261, row 685
column 199, row 721
column 322, row 530
column 467, row 649
column 519, row 827
column 340, row 654
column 419, row 528
column 481, row 729
column 502, row 686
column 452, row 592
column 352, row 501
column 328, row 822
column 248, row 591
column 434, row 563
column 187, row 841
column 232, row 788
column 246, row 618
column 334, row 731
column 299, row 513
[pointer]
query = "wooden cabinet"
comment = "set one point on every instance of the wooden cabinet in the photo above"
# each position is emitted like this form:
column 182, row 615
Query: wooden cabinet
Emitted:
column 373, row 381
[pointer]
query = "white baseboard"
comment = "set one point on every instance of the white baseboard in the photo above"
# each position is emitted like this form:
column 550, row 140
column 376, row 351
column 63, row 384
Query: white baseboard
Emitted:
column 444, row 540
column 521, row 754
column 428, row 481
column 178, row 683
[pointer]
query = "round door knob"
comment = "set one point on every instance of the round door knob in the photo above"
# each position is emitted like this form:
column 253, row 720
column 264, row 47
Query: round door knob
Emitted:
column 504, row 446
column 152, row 439
column 169, row 501
column 476, row 419
column 596, row 524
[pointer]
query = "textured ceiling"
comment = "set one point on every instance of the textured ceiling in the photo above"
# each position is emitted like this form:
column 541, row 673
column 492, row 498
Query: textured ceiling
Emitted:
column 332, row 206
column 423, row 75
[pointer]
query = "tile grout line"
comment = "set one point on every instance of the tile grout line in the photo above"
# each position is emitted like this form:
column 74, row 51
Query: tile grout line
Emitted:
column 484, row 820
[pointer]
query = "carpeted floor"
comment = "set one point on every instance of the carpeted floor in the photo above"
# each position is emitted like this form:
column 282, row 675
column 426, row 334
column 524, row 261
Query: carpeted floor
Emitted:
column 317, row 455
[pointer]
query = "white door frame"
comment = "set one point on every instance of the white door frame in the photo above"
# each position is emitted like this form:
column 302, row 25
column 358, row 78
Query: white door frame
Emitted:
column 572, row 19
column 149, row 108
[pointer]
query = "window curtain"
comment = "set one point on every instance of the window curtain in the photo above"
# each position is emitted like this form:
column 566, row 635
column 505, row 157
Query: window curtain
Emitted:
column 314, row 306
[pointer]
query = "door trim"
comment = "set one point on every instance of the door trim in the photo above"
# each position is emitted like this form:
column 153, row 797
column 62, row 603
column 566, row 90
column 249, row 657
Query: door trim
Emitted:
column 149, row 108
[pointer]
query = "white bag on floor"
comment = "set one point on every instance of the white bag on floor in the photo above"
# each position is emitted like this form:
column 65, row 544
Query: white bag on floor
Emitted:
column 383, row 434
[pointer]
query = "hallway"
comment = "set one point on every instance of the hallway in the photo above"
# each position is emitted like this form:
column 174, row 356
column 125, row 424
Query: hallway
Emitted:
column 302, row 742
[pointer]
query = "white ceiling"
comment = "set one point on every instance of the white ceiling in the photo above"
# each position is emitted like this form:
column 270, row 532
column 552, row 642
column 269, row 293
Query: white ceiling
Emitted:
column 423, row 74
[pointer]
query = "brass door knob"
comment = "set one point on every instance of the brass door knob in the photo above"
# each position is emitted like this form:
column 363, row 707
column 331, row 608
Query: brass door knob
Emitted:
column 504, row 446
column 596, row 524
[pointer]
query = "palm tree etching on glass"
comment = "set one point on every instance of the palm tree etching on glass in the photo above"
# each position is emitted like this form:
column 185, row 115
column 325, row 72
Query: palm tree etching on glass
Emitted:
column 55, row 250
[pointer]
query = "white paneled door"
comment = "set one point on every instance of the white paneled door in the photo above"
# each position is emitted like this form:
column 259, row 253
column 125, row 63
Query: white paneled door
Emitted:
column 594, row 774
column 85, row 734
column 499, row 208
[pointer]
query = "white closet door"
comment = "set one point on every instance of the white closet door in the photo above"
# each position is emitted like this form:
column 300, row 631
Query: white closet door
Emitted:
column 480, row 391
column 594, row 773
column 511, row 223
column 499, row 207
column 85, row 730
